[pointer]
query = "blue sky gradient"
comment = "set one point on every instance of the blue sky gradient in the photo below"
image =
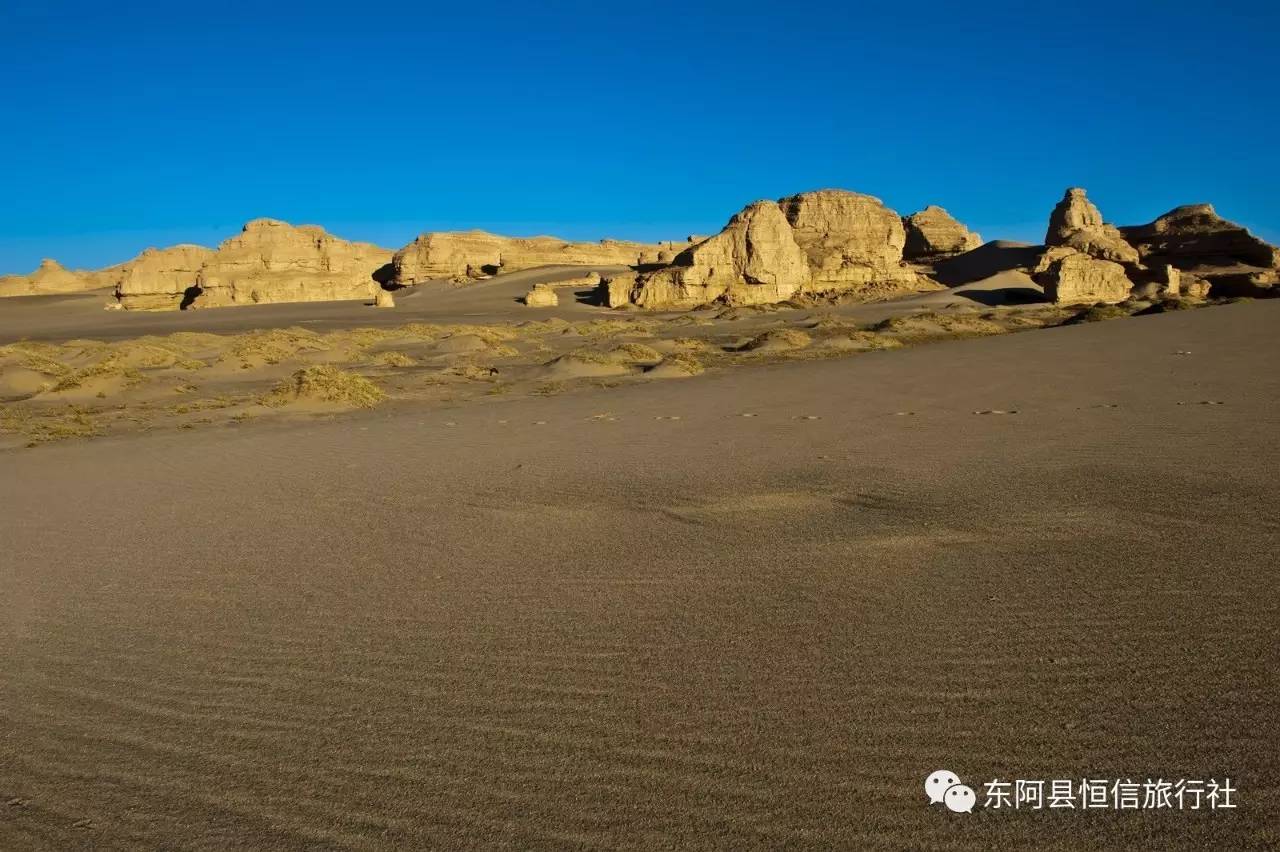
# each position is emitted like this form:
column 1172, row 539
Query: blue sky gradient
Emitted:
column 129, row 125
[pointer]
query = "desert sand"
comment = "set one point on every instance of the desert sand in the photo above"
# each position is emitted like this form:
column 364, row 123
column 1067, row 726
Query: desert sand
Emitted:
column 749, row 609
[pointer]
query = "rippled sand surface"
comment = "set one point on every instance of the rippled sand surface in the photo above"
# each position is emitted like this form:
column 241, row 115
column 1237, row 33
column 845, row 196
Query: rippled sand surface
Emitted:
column 642, row 619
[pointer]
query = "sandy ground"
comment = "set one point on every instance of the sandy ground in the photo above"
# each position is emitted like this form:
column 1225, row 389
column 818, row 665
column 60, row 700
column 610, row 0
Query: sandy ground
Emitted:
column 752, row 609
column 71, row 370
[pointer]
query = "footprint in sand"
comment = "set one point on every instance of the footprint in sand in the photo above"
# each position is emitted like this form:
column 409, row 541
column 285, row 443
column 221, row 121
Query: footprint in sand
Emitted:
column 996, row 411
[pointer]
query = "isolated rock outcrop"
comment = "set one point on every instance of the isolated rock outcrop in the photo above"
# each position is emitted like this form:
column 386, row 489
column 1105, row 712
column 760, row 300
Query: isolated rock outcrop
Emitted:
column 754, row 260
column 1194, row 235
column 851, row 240
column 273, row 261
column 160, row 279
column 824, row 241
column 462, row 255
column 933, row 233
column 542, row 296
column 49, row 278
column 1075, row 222
column 1071, row 277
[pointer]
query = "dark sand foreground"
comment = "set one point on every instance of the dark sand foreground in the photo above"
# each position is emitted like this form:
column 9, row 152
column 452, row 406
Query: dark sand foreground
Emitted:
column 640, row 619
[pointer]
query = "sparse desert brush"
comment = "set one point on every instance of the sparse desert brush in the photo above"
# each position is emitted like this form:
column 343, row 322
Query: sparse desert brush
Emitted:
column 474, row 372
column 365, row 336
column 830, row 324
column 692, row 344
column 585, row 356
column 323, row 383
column 107, row 369
column 1097, row 313
column 680, row 363
column 614, row 328
column 491, row 334
column 868, row 341
column 549, row 388
column 419, row 331
column 49, row 425
column 1164, row 306
column 778, row 339
column 537, row 328
column 195, row 341
column 41, row 357
column 928, row 325
column 635, row 352
column 274, row 345
column 392, row 358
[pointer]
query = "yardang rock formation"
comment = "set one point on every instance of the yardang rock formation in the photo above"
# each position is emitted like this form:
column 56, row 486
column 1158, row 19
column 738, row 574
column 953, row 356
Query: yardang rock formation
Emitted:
column 50, row 278
column 824, row 241
column 269, row 261
column 463, row 255
column 933, row 233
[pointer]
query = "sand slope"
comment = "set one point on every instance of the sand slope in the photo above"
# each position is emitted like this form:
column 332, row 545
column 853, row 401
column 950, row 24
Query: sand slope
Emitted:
column 640, row 619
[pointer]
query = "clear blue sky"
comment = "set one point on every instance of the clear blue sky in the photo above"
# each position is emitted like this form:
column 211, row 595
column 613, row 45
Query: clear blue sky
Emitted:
column 124, row 125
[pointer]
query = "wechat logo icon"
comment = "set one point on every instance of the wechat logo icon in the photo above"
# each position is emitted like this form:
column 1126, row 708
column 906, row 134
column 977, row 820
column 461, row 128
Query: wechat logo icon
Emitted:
column 943, row 787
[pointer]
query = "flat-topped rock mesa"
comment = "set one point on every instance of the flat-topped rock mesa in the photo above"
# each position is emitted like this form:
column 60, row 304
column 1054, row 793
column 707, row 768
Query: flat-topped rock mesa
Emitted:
column 823, row 241
column 161, row 279
column 466, row 255
column 933, row 233
column 273, row 261
column 1076, row 223
column 269, row 261
column 52, row 278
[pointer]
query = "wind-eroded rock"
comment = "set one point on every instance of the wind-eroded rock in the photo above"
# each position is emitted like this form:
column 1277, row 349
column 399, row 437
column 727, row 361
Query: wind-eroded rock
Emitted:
column 542, row 296
column 933, row 232
column 160, row 279
column 830, row 240
column 1077, row 223
column 268, row 261
column 754, row 260
column 461, row 255
column 273, row 261
column 1194, row 235
column 851, row 240
column 1070, row 277
column 49, row 278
